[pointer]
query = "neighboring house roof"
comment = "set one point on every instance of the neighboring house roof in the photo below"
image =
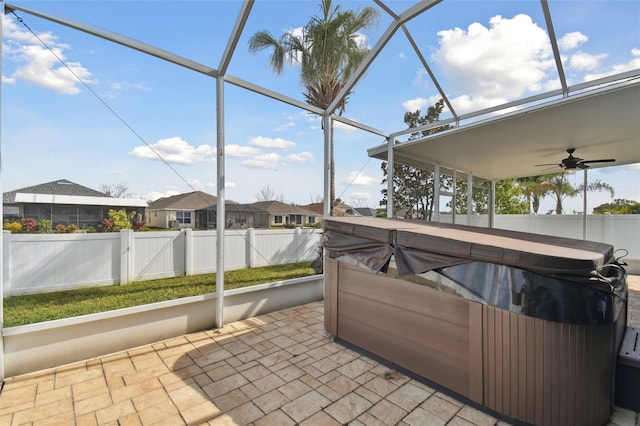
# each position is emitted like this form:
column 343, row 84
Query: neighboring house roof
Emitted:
column 317, row 208
column 195, row 200
column 241, row 208
column 62, row 191
column 341, row 209
column 277, row 207
column 366, row 211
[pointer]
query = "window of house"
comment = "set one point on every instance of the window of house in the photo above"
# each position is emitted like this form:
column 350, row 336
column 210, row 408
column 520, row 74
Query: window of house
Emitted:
column 295, row 218
column 311, row 220
column 183, row 217
column 277, row 219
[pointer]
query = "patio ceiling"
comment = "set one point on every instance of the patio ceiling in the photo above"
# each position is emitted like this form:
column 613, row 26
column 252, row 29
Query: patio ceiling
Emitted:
column 599, row 124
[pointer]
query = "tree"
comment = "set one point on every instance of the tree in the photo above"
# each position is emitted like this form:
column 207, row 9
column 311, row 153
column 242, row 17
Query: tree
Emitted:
column 562, row 189
column 413, row 187
column 535, row 188
column 266, row 194
column 116, row 190
column 509, row 198
column 327, row 52
column 618, row 206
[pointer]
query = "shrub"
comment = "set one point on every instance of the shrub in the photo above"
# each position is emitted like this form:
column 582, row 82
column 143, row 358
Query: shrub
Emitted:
column 119, row 219
column 61, row 229
column 71, row 228
column 105, row 226
column 139, row 225
column 90, row 229
column 13, row 227
column 29, row 224
column 45, row 226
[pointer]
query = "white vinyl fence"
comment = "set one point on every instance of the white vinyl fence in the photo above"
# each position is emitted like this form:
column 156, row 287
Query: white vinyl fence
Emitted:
column 621, row 231
column 37, row 263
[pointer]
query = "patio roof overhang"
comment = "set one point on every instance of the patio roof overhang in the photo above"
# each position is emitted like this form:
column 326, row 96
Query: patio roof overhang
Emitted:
column 600, row 123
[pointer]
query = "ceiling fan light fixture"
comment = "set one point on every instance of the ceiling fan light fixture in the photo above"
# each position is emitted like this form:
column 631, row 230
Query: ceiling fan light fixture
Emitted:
column 570, row 170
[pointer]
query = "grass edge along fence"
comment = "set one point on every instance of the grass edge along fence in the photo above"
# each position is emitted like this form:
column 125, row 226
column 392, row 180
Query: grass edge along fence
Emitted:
column 34, row 308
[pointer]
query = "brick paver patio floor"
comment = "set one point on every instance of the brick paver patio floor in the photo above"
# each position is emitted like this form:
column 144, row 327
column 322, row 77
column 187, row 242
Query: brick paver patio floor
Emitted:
column 276, row 369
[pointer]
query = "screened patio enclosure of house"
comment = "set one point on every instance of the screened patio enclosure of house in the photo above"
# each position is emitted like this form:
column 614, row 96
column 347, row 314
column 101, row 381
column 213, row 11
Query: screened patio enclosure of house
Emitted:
column 491, row 138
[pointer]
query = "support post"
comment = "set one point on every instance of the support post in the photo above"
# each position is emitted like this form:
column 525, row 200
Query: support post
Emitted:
column 188, row 251
column 326, row 126
column 220, row 220
column 251, row 251
column 584, row 207
column 126, row 255
column 390, row 161
column 469, row 197
column 436, row 193
column 2, row 282
column 492, row 205
column 454, row 196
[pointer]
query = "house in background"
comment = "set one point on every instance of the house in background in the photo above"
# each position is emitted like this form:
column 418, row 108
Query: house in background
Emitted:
column 341, row 209
column 65, row 203
column 179, row 211
column 281, row 214
column 367, row 211
column 235, row 215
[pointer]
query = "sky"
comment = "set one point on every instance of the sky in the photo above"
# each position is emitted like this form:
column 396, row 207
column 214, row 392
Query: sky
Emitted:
column 77, row 107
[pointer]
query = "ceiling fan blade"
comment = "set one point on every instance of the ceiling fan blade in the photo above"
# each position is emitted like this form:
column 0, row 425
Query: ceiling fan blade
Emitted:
column 608, row 160
column 550, row 164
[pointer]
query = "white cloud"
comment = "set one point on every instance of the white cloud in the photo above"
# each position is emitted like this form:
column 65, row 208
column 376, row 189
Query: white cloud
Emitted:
column 272, row 143
column 415, row 104
column 359, row 199
column 38, row 65
column 302, row 157
column 285, row 126
column 504, row 61
column 263, row 161
column 422, row 79
column 8, row 80
column 463, row 104
column 585, row 61
column 240, row 151
column 198, row 184
column 402, row 55
column 340, row 126
column 176, row 150
column 634, row 63
column 156, row 195
column 572, row 40
column 361, row 179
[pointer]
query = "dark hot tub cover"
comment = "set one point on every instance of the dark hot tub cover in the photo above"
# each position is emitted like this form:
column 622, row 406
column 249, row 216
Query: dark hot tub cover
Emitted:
column 422, row 246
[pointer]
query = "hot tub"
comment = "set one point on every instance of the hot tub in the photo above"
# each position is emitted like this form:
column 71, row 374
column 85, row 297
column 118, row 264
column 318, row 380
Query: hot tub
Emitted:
column 526, row 325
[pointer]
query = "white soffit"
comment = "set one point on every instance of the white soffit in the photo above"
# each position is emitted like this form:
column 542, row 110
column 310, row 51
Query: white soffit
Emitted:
column 599, row 124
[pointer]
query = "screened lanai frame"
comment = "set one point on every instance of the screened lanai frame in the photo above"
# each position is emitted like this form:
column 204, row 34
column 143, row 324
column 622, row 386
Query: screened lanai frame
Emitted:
column 620, row 83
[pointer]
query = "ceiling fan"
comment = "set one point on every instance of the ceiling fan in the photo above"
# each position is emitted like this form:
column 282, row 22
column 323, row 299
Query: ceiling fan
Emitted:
column 571, row 164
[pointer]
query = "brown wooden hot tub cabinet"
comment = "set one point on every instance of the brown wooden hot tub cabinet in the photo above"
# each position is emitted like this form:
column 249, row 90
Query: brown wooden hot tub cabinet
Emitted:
column 531, row 369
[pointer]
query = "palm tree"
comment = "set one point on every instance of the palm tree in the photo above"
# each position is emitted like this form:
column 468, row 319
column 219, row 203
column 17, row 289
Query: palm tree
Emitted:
column 328, row 53
column 562, row 190
column 535, row 188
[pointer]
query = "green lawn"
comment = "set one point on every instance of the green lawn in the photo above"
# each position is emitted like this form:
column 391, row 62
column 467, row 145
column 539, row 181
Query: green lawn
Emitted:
column 34, row 308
